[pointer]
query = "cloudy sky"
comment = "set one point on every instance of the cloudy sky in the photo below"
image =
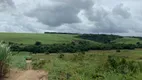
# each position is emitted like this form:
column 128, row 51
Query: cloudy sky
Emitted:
column 80, row 16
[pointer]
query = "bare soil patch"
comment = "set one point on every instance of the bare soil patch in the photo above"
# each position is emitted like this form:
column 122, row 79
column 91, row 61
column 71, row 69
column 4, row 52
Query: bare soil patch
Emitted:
column 27, row 75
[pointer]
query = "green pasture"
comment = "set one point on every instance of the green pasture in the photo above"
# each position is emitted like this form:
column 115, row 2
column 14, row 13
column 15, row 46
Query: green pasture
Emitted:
column 127, row 40
column 31, row 38
column 82, row 66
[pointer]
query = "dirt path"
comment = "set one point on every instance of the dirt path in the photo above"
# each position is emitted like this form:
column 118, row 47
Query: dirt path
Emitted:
column 29, row 64
column 28, row 74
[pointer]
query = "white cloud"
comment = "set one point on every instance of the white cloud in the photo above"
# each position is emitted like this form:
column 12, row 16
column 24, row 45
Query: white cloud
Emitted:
column 85, row 16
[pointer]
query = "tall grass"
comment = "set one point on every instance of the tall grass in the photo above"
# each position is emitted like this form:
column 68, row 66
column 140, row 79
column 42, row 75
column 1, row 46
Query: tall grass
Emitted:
column 4, row 59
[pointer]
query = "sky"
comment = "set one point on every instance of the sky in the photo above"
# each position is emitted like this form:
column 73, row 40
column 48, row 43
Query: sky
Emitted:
column 123, row 17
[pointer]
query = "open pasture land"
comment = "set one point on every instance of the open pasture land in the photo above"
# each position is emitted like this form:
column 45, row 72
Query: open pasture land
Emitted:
column 91, row 57
column 80, row 66
column 57, row 38
column 127, row 40
column 31, row 38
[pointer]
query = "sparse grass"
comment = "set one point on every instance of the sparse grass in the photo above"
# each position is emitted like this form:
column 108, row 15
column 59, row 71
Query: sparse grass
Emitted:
column 19, row 60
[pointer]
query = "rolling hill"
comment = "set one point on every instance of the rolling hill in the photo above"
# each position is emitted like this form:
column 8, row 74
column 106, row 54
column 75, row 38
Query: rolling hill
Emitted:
column 49, row 38
column 31, row 38
column 127, row 40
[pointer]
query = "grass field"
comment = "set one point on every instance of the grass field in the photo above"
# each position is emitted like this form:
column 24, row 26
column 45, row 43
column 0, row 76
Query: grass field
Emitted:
column 127, row 40
column 31, row 38
column 73, row 66
column 80, row 67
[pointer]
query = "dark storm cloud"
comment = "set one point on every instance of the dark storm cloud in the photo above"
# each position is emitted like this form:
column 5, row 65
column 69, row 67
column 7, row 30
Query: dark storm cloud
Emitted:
column 56, row 16
column 66, row 12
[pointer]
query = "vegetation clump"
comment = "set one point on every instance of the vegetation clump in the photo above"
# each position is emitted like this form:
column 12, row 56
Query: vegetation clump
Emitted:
column 118, row 50
column 74, row 46
column 103, row 38
column 28, row 58
column 120, row 65
column 38, row 64
column 4, row 59
column 61, row 56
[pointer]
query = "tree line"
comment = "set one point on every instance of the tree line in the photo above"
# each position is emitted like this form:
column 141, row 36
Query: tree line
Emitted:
column 74, row 46
column 105, row 43
column 102, row 38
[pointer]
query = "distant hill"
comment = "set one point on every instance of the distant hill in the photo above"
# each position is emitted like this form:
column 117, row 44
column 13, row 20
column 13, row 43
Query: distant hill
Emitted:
column 60, row 33
column 128, row 40
column 56, row 37
column 31, row 38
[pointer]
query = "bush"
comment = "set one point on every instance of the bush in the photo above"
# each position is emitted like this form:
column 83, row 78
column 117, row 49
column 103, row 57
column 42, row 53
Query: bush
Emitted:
column 61, row 56
column 118, row 50
column 78, row 56
column 38, row 64
column 37, row 43
column 28, row 58
column 4, row 60
column 47, row 53
column 83, row 52
column 120, row 65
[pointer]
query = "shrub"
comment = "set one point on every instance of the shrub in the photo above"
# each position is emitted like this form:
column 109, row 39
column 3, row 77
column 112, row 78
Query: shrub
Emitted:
column 83, row 52
column 47, row 53
column 4, row 60
column 98, row 77
column 118, row 50
column 121, row 65
column 61, row 56
column 38, row 43
column 38, row 64
column 78, row 56
column 28, row 58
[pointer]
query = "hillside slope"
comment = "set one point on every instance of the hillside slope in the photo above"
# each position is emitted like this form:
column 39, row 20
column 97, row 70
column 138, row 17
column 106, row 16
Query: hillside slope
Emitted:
column 31, row 38
column 127, row 40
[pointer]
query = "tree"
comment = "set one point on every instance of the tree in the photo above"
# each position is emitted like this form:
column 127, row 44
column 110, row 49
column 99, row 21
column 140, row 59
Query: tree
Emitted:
column 138, row 43
column 37, row 43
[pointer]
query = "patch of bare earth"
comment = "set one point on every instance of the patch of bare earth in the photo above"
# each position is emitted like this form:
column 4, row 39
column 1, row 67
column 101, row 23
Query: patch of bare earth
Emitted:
column 28, row 74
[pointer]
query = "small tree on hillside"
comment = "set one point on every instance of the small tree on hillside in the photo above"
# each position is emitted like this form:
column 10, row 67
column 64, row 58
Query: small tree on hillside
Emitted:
column 37, row 43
